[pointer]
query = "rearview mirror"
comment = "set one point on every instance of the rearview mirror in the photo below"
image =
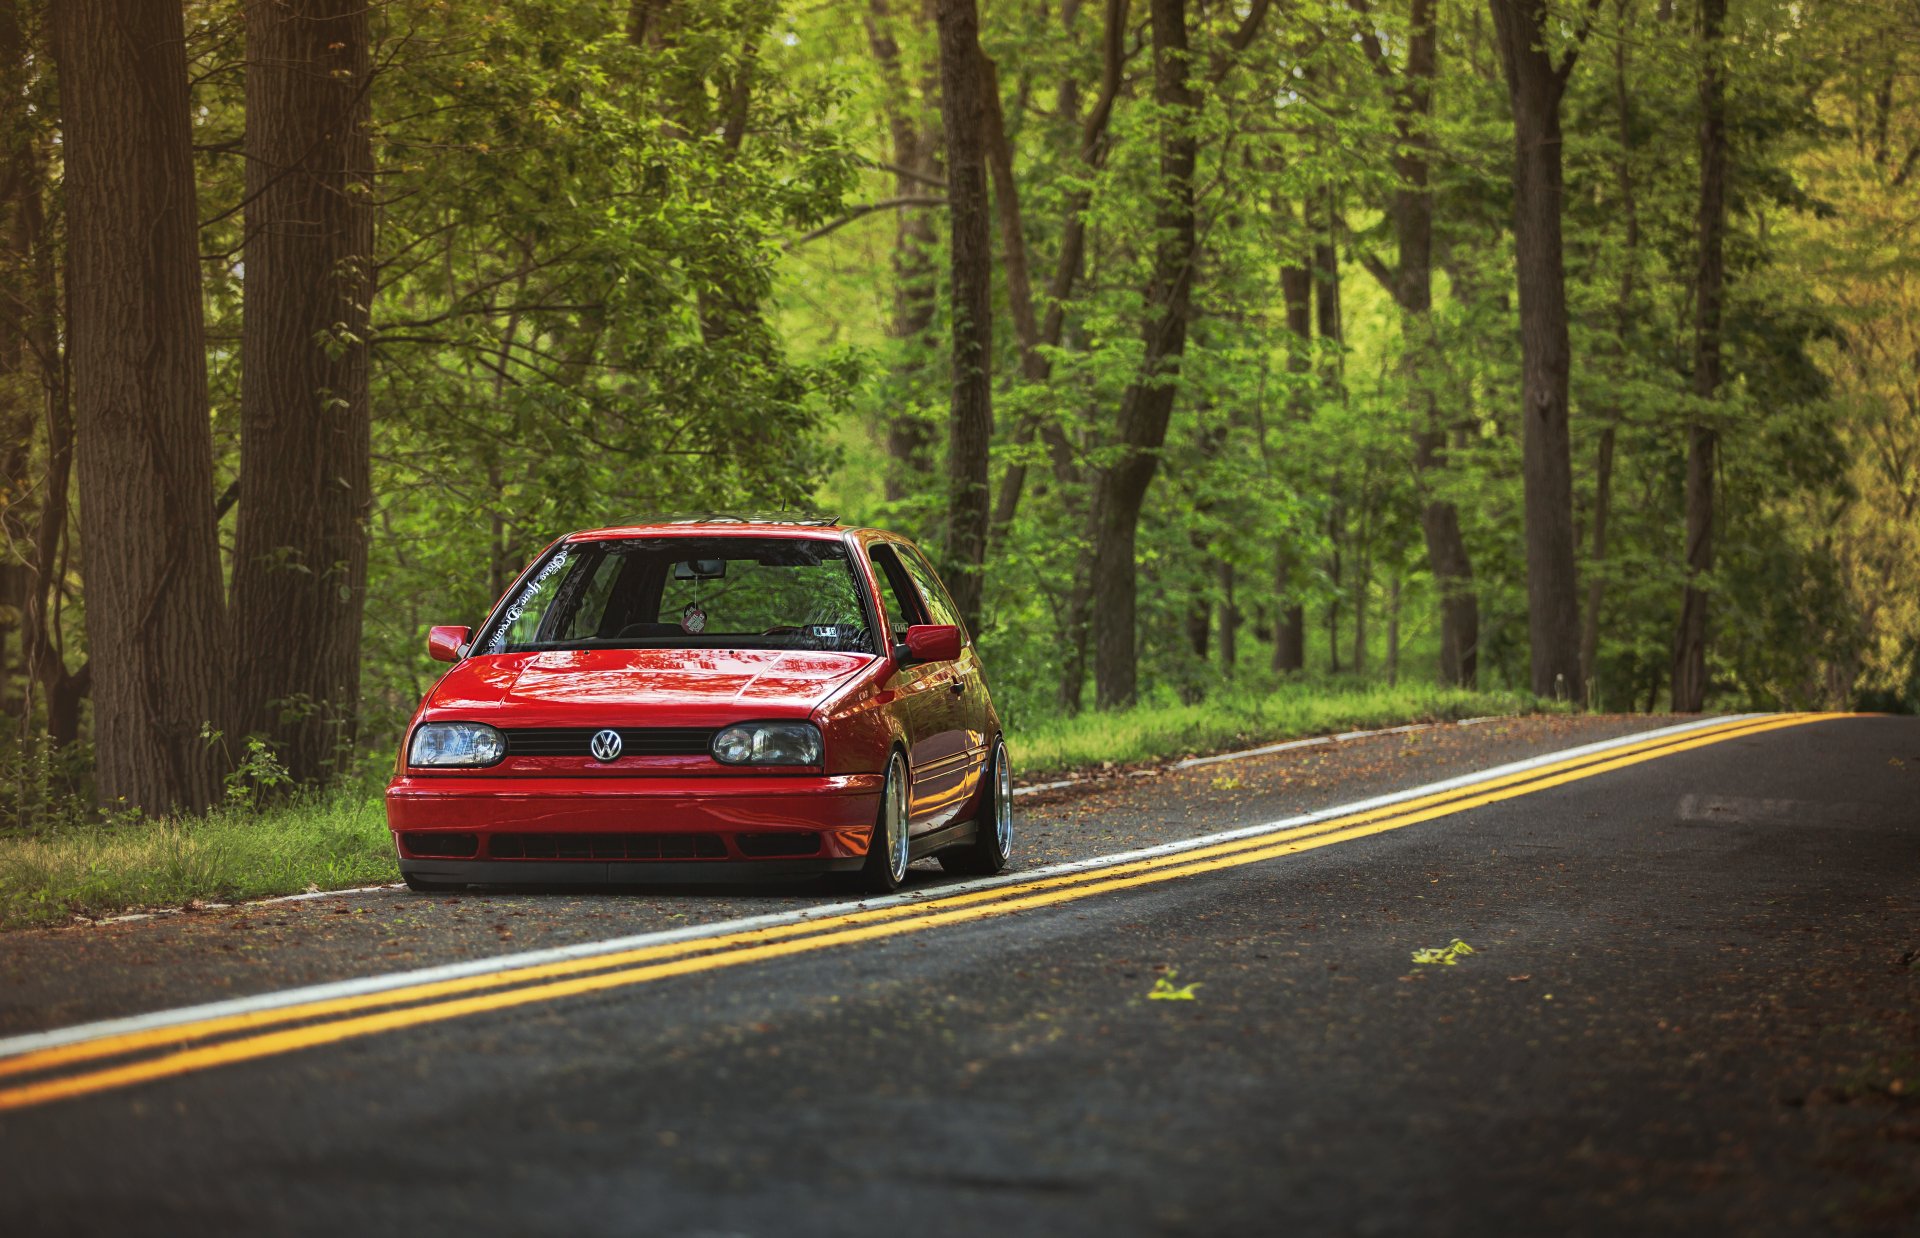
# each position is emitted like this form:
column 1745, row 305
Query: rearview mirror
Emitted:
column 929, row 642
column 447, row 644
column 700, row 569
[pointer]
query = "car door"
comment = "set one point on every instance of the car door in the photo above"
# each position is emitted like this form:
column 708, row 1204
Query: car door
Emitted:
column 936, row 735
column 964, row 713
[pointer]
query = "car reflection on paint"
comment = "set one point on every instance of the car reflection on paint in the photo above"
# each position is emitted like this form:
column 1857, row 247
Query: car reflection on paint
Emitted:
column 720, row 698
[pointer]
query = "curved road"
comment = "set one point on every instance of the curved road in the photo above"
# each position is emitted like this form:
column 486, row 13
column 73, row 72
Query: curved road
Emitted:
column 1692, row 1004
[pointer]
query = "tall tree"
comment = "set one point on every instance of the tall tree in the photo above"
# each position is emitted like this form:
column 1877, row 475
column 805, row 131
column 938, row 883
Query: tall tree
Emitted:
column 1290, row 619
column 33, row 313
column 155, row 615
column 1623, row 325
column 300, row 555
column 916, row 169
column 1410, row 283
column 970, row 420
column 1120, row 489
column 1709, row 283
column 1535, row 86
column 1035, row 367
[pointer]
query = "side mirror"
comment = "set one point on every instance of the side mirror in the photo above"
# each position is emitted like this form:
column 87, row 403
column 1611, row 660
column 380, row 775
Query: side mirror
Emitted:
column 446, row 644
column 929, row 642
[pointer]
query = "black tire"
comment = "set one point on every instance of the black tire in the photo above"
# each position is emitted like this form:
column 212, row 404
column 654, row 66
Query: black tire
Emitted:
column 421, row 885
column 992, row 845
column 889, row 853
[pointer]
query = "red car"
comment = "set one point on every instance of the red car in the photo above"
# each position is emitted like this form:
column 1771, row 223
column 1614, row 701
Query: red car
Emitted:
column 717, row 698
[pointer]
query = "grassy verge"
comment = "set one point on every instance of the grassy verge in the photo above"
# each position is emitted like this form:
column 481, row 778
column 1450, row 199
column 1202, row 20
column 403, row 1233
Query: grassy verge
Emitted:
column 233, row 853
column 1241, row 719
column 341, row 840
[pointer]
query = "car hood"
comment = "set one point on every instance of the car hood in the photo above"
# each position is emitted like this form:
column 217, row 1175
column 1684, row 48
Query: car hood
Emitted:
column 641, row 687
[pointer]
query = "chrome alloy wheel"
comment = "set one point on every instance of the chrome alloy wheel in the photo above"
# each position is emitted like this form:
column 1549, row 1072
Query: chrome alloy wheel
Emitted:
column 1003, row 800
column 898, row 844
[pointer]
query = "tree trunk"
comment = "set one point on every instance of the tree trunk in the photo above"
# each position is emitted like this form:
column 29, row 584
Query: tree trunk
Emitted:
column 1120, row 490
column 1411, row 284
column 1534, row 87
column 42, row 655
column 1333, row 602
column 916, row 161
column 300, row 542
column 19, row 389
column 1229, row 621
column 1690, row 641
column 1362, row 584
column 1290, row 630
column 1326, row 296
column 1393, row 629
column 155, row 618
column 970, row 423
column 1623, row 324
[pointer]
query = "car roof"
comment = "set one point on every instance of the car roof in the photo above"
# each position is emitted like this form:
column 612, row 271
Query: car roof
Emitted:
column 784, row 526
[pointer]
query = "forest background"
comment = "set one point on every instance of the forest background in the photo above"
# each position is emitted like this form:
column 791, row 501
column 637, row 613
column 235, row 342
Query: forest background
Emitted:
column 1568, row 350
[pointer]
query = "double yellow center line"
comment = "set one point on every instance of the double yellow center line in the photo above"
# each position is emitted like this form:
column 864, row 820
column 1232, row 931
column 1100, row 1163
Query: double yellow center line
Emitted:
column 125, row 1059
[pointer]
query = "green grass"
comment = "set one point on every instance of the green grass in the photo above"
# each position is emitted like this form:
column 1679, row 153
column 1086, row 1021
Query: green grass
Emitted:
column 1246, row 718
column 229, row 854
column 341, row 840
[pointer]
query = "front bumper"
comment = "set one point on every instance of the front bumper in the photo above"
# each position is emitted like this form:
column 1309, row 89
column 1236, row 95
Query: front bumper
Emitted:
column 601, row 830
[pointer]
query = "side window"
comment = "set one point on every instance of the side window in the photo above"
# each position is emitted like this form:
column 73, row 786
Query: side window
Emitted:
column 896, row 590
column 939, row 605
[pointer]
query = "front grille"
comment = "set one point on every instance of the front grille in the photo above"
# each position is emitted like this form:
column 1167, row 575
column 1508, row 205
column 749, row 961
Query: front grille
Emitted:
column 442, row 845
column 641, row 741
column 606, row 847
column 764, row 846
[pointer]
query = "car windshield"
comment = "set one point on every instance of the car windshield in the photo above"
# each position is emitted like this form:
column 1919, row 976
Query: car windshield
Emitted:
column 687, row 593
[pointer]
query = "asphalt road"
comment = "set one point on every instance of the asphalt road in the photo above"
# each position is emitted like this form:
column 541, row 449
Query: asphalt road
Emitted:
column 1692, row 1006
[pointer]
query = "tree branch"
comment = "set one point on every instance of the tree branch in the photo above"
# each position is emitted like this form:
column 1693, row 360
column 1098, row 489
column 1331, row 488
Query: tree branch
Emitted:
column 861, row 212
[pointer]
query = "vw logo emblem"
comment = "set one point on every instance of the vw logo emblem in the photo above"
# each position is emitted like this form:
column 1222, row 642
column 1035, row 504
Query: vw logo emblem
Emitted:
column 605, row 745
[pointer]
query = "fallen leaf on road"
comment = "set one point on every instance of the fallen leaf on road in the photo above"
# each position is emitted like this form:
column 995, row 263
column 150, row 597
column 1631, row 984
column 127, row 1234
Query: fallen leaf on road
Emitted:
column 1445, row 958
column 1164, row 989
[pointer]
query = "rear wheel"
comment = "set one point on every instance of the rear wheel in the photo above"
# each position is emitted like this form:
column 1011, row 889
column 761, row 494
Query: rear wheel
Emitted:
column 992, row 844
column 888, row 850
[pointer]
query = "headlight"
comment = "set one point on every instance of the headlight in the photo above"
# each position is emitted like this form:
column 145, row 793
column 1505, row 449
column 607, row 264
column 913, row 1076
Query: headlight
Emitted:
column 456, row 744
column 768, row 743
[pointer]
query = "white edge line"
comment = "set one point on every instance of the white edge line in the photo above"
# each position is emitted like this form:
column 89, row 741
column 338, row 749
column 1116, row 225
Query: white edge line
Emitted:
column 14, row 1046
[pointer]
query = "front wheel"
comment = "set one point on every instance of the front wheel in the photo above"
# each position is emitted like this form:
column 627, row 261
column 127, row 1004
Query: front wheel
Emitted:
column 992, row 844
column 887, row 852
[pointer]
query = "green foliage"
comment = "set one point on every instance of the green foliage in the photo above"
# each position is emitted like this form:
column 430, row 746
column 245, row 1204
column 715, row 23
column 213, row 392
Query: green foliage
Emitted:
column 623, row 272
column 95, row 869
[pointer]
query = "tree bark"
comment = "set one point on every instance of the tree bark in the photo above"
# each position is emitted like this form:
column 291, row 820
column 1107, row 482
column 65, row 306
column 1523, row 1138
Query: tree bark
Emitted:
column 1411, row 285
column 19, row 390
column 916, row 159
column 155, row 616
column 1623, row 324
column 1229, row 621
column 1290, row 631
column 1120, row 490
column 1534, row 87
column 300, row 540
column 1321, row 221
column 970, row 420
column 1690, row 640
